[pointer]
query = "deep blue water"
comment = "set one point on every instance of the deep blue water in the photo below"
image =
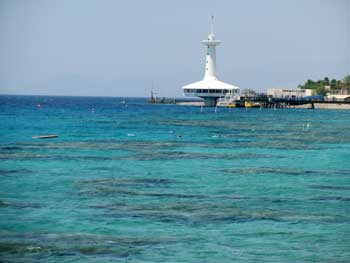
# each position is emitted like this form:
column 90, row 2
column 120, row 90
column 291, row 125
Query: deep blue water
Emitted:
column 167, row 183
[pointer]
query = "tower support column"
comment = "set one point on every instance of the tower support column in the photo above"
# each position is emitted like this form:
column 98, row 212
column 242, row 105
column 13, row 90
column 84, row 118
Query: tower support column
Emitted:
column 210, row 101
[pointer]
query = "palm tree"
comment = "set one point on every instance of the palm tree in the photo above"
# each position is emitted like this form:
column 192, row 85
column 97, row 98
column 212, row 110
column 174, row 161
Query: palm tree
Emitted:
column 346, row 81
column 326, row 81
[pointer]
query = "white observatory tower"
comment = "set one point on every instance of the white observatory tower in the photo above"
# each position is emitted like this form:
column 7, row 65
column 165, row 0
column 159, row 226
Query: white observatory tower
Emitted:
column 210, row 88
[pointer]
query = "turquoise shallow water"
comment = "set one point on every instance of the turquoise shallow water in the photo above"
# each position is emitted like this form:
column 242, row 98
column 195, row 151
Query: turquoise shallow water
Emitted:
column 165, row 183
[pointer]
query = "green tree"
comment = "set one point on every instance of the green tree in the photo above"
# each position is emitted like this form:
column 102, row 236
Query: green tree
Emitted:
column 309, row 82
column 333, row 83
column 346, row 81
column 321, row 90
column 319, row 85
column 326, row 81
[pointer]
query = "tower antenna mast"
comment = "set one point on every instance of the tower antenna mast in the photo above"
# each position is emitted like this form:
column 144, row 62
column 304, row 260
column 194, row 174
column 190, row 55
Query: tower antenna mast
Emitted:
column 212, row 24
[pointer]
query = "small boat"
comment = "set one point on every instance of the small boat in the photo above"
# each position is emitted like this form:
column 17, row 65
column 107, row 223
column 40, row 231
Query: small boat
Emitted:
column 249, row 104
column 229, row 100
column 48, row 136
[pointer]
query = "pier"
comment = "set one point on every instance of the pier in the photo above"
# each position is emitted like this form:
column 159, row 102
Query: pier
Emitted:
column 262, row 102
column 295, row 103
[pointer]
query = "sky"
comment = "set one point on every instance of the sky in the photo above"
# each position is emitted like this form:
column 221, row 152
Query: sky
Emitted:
column 126, row 48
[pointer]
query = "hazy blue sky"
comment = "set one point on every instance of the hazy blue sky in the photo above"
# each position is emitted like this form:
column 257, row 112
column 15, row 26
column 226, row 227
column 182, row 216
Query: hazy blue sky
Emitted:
column 118, row 48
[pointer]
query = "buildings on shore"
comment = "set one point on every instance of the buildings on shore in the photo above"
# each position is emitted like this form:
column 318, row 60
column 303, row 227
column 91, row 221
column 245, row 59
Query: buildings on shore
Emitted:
column 289, row 93
column 331, row 94
column 342, row 94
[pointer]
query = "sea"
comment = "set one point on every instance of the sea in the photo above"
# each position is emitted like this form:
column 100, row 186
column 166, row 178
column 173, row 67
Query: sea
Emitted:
column 129, row 181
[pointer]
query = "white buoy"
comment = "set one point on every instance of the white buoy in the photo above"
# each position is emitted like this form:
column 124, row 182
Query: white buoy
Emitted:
column 307, row 126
